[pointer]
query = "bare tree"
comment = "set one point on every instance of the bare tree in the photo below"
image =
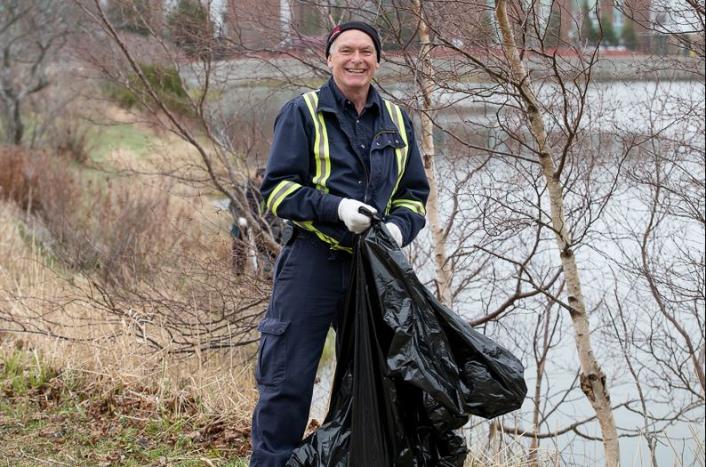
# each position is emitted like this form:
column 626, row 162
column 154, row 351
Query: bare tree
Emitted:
column 213, row 308
column 31, row 32
column 661, row 254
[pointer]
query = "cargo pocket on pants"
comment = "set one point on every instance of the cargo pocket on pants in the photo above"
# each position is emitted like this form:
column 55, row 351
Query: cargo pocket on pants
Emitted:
column 271, row 360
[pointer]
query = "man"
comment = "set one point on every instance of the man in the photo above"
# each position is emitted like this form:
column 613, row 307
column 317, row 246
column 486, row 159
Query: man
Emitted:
column 239, row 230
column 334, row 150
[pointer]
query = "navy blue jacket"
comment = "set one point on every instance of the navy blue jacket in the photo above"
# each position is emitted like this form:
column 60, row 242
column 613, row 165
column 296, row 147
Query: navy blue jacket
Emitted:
column 312, row 166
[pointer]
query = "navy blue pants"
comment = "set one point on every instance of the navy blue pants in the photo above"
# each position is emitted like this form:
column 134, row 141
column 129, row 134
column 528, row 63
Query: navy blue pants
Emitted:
column 310, row 283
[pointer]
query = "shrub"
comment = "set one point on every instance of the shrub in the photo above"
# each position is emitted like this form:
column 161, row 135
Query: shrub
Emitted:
column 164, row 80
column 71, row 139
column 609, row 35
column 191, row 28
column 113, row 231
column 628, row 35
column 94, row 226
column 35, row 181
column 13, row 184
column 125, row 232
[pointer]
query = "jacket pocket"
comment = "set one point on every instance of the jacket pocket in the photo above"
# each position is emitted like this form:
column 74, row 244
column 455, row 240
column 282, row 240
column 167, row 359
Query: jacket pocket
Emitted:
column 385, row 141
column 271, row 366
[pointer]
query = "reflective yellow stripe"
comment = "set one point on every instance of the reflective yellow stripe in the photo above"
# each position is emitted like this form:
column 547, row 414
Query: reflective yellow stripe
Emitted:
column 400, row 153
column 335, row 245
column 322, row 157
column 322, row 160
column 393, row 110
column 411, row 204
column 281, row 191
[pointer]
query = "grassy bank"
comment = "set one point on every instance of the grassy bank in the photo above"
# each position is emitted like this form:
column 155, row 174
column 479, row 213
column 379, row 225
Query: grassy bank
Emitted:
column 119, row 265
column 66, row 416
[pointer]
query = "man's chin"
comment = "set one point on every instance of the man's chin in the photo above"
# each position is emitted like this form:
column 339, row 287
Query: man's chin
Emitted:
column 356, row 83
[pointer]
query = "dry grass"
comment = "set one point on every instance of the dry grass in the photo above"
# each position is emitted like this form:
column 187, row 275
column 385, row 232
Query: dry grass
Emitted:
column 33, row 284
column 221, row 383
column 513, row 454
column 86, row 223
column 54, row 414
column 144, row 250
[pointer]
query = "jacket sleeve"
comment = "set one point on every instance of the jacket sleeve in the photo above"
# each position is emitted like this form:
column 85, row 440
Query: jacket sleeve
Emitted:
column 287, row 189
column 408, row 207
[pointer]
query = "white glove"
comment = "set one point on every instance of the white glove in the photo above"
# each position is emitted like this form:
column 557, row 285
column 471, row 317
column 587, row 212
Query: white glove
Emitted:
column 395, row 232
column 355, row 221
column 242, row 222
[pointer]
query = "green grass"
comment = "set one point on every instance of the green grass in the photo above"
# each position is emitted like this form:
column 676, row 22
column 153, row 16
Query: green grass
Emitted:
column 20, row 376
column 103, row 139
column 48, row 416
column 119, row 136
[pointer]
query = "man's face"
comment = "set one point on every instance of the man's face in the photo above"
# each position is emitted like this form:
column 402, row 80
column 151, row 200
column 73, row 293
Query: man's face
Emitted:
column 352, row 60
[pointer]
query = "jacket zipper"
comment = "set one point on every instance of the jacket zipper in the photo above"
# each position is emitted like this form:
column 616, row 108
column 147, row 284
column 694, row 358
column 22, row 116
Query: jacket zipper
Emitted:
column 370, row 153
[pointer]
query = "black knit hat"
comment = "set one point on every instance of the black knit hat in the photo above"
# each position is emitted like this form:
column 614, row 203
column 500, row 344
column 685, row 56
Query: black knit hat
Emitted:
column 360, row 26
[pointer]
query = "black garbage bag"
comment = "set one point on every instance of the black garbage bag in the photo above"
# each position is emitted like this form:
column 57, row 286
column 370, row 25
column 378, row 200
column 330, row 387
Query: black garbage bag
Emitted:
column 409, row 372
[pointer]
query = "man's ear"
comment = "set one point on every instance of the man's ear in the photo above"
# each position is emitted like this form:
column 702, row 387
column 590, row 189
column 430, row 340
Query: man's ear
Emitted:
column 329, row 64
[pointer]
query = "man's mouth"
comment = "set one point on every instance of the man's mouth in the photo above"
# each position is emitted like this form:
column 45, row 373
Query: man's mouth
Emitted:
column 358, row 72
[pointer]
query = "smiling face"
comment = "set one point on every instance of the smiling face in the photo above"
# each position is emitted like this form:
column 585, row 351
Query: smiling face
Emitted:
column 353, row 61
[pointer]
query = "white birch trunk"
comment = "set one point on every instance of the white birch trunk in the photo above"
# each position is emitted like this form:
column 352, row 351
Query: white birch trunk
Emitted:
column 443, row 274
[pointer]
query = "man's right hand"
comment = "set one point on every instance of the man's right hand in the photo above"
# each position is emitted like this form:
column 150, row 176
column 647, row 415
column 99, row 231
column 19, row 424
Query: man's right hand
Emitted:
column 354, row 220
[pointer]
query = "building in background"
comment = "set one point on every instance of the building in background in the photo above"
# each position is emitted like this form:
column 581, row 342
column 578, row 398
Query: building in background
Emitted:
column 270, row 25
column 275, row 24
column 255, row 24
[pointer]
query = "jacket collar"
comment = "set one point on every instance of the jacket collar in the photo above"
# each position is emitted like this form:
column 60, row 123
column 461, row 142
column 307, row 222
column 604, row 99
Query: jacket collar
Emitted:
column 332, row 100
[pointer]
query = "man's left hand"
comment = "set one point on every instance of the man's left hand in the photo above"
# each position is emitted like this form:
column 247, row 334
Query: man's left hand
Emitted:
column 394, row 232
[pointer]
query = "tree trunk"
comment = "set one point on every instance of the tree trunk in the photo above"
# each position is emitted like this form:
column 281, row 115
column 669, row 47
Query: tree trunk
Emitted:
column 13, row 128
column 17, row 128
column 593, row 380
column 443, row 275
column 537, row 399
